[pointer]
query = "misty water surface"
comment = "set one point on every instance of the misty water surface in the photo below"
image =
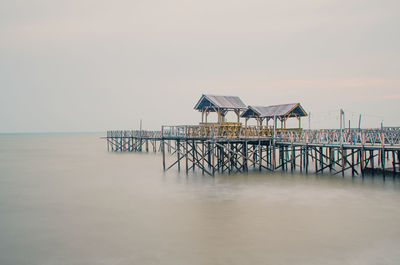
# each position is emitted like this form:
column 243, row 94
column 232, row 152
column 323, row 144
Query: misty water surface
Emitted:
column 65, row 200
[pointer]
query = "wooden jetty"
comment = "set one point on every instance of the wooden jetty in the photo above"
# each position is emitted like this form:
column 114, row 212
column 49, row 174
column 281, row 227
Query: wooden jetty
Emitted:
column 233, row 147
column 133, row 141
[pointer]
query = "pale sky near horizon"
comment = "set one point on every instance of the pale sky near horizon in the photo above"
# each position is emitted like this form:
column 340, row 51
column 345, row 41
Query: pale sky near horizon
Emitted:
column 95, row 65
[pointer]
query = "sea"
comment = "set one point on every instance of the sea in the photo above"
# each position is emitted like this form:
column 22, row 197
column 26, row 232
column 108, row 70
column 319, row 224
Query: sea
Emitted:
column 65, row 200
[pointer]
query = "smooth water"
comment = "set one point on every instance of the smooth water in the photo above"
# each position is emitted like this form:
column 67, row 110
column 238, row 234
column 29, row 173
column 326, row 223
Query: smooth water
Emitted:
column 65, row 200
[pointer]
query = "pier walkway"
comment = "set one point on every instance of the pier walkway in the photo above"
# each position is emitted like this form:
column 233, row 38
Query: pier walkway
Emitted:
column 232, row 148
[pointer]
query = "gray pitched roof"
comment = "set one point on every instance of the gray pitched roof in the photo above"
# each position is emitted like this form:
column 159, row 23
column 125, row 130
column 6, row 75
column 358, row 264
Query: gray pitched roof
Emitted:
column 276, row 110
column 221, row 102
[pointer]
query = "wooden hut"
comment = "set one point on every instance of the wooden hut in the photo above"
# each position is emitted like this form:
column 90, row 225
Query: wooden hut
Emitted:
column 277, row 112
column 221, row 105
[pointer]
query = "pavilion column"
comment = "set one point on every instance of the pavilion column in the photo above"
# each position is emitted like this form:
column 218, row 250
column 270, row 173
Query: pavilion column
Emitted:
column 245, row 126
column 238, row 115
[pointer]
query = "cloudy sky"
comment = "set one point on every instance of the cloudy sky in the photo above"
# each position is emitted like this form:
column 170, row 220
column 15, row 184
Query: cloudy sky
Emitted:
column 93, row 65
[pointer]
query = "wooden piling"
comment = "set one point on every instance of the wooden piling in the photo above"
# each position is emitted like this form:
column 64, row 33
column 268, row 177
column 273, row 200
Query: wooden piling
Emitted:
column 178, row 154
column 259, row 155
column 163, row 153
column 352, row 162
column 234, row 154
column 362, row 160
column 187, row 157
column 394, row 163
column 307, row 158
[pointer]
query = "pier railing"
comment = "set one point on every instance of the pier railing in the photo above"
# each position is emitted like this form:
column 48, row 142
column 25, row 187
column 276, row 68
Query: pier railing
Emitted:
column 134, row 133
column 382, row 136
column 221, row 131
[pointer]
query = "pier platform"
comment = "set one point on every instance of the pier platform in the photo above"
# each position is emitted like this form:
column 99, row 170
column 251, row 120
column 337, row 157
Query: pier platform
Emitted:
column 231, row 148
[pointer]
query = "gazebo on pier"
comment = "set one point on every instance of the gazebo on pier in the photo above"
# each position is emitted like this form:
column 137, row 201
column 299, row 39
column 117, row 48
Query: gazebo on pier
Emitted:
column 221, row 105
column 282, row 112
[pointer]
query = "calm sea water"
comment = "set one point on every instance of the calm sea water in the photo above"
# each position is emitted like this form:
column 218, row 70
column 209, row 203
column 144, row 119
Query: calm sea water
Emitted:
column 65, row 200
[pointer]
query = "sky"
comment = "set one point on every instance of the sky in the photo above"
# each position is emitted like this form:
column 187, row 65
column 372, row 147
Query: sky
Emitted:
column 91, row 65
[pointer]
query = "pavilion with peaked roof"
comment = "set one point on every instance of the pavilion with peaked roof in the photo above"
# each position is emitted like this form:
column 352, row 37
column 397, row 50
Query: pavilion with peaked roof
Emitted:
column 221, row 105
column 281, row 112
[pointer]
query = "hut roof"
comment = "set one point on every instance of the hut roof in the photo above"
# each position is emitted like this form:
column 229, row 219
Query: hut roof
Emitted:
column 283, row 110
column 220, row 102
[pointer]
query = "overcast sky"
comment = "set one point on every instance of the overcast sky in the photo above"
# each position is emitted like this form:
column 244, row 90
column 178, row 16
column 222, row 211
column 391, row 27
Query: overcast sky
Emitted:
column 93, row 65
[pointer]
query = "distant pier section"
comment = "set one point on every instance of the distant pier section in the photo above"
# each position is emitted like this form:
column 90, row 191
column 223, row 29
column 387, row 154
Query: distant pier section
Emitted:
column 235, row 146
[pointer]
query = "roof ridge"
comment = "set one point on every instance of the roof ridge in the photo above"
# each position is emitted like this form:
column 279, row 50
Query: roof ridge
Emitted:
column 224, row 102
column 258, row 106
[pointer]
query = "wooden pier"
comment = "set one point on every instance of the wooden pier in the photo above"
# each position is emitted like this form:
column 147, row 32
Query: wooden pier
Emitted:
column 133, row 141
column 347, row 152
column 233, row 147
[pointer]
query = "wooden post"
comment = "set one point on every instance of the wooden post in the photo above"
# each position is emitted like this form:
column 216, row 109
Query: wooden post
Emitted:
column 293, row 160
column 352, row 162
column 178, row 154
column 398, row 159
column 286, row 157
column 163, row 146
column 343, row 158
column 383, row 160
column 274, row 154
column 209, row 154
column 321, row 158
column 259, row 155
column 307, row 158
column 230, row 165
column 301, row 158
column 245, row 156
column 212, row 157
column 218, row 156
column 202, row 156
column 362, row 161
column 394, row 163
column 193, row 154
column 371, row 159
column 186, row 157
column 267, row 155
